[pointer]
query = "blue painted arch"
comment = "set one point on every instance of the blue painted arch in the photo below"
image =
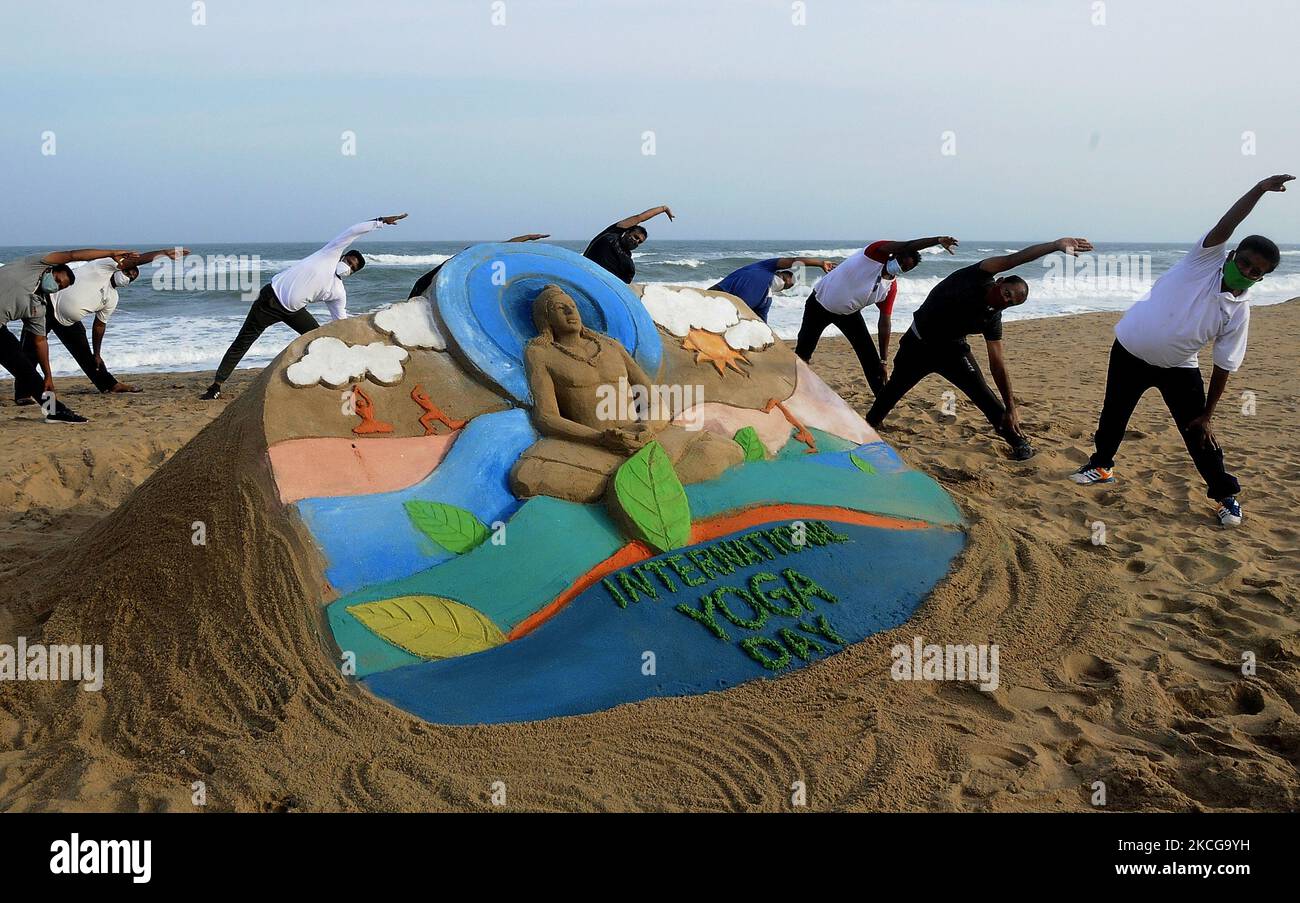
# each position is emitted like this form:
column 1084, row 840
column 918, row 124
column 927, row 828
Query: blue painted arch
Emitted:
column 484, row 297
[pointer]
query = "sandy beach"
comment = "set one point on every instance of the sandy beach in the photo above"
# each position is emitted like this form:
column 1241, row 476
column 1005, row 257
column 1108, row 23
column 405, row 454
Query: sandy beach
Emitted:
column 1120, row 662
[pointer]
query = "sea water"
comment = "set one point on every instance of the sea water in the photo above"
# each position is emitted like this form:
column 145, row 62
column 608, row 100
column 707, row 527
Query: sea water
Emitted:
column 178, row 330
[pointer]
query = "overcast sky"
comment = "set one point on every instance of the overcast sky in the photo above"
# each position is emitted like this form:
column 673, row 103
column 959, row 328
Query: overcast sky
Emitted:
column 169, row 131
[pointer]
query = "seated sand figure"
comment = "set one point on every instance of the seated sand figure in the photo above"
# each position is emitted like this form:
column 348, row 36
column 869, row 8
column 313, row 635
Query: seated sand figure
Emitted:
column 571, row 372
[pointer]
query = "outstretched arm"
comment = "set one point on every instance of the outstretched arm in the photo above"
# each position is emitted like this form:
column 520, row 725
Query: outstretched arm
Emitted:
column 54, row 258
column 1001, row 376
column 917, row 245
column 139, row 260
column 1228, row 224
column 784, row 263
column 352, row 233
column 1071, row 246
column 639, row 218
column 531, row 236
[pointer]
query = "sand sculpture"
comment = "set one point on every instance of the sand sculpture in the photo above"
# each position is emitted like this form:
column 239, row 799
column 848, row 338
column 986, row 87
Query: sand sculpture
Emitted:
column 581, row 446
column 586, row 499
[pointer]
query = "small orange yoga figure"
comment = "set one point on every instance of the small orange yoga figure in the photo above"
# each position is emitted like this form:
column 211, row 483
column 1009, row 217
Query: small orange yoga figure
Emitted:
column 432, row 412
column 365, row 409
column 801, row 433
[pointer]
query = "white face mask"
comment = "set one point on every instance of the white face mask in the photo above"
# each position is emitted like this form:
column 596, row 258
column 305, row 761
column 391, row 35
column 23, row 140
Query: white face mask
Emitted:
column 893, row 268
column 343, row 270
column 778, row 285
column 121, row 280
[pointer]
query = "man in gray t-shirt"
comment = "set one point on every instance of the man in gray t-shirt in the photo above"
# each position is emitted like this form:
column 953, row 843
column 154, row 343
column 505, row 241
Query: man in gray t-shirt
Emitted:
column 25, row 288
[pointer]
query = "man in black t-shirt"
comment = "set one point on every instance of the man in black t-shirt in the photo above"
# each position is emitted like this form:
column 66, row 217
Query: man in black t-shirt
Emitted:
column 613, row 247
column 969, row 301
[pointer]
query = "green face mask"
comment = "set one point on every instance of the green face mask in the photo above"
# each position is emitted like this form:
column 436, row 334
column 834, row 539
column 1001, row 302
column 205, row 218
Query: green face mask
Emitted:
column 1233, row 278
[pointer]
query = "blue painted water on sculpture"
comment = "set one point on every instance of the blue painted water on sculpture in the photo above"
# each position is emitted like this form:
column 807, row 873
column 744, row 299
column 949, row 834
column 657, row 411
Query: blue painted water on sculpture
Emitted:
column 878, row 454
column 484, row 296
column 369, row 538
column 592, row 655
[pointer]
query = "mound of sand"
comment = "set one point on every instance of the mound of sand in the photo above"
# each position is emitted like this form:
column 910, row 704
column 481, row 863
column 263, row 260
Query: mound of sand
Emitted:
column 1119, row 663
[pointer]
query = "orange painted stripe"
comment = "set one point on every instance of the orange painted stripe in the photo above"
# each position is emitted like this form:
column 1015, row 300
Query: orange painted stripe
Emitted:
column 711, row 528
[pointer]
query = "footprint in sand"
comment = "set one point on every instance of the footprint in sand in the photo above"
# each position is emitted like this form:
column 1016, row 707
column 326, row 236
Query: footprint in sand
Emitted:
column 1088, row 670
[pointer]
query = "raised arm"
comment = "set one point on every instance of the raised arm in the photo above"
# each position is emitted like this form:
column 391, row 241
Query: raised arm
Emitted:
column 639, row 218
column 352, row 233
column 139, row 260
column 917, row 245
column 1229, row 222
column 54, row 258
column 1071, row 246
column 784, row 263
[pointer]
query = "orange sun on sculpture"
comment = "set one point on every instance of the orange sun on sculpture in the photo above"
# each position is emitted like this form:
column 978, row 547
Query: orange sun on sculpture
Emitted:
column 713, row 348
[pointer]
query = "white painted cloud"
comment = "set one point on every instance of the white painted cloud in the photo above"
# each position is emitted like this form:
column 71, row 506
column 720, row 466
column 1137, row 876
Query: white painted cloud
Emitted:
column 680, row 310
column 749, row 335
column 336, row 363
column 411, row 324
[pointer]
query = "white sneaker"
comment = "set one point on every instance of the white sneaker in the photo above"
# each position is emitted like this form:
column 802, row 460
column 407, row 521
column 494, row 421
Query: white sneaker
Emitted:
column 1088, row 474
column 1229, row 512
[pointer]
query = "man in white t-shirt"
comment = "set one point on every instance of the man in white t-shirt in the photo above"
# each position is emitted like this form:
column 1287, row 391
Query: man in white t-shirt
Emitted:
column 93, row 292
column 1201, row 299
column 317, row 278
column 865, row 278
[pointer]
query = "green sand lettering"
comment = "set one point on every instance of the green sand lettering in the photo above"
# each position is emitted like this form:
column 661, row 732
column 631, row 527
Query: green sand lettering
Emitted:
column 768, row 597
column 634, row 580
column 757, row 648
column 799, row 645
column 822, row 627
column 704, row 614
column 613, row 591
column 805, row 587
column 678, row 564
column 718, row 601
column 658, row 568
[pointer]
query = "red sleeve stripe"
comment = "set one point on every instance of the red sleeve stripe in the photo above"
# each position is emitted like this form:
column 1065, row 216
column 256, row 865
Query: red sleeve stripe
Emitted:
column 873, row 251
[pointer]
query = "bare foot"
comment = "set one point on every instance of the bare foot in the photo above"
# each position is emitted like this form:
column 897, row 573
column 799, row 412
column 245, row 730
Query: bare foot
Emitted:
column 125, row 387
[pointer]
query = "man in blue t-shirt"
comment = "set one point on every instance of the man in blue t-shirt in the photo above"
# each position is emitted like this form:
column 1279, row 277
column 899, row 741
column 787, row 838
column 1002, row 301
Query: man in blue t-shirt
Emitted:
column 755, row 283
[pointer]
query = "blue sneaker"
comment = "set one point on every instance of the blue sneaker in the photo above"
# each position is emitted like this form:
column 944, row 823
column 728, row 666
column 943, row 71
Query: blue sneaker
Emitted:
column 1229, row 512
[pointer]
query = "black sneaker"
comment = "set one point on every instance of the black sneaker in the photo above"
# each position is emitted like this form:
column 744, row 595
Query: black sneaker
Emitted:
column 24, row 402
column 213, row 393
column 1022, row 452
column 64, row 414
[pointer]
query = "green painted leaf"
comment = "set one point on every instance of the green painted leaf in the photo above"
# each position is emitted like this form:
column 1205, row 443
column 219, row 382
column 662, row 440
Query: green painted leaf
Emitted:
column 747, row 438
column 864, row 466
column 429, row 626
column 455, row 529
column 647, row 490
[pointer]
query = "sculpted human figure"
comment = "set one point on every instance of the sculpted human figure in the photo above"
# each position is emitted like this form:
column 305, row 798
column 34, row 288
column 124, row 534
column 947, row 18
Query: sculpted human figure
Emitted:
column 587, row 432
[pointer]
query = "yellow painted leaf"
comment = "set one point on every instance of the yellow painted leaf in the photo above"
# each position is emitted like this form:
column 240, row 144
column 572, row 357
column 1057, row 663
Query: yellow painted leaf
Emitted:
column 429, row 626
